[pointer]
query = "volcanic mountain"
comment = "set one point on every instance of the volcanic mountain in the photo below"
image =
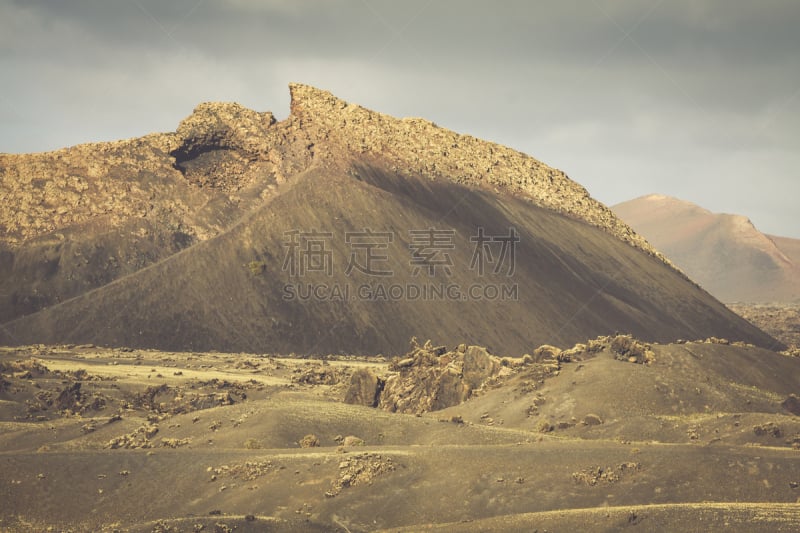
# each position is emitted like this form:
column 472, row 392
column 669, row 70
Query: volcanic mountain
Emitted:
column 725, row 253
column 336, row 230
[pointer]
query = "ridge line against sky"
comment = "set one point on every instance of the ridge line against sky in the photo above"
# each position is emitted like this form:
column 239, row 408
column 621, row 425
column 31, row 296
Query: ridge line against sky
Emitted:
column 695, row 99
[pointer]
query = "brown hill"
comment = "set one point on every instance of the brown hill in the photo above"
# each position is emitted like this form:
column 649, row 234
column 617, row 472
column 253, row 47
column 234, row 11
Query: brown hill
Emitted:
column 725, row 253
column 182, row 241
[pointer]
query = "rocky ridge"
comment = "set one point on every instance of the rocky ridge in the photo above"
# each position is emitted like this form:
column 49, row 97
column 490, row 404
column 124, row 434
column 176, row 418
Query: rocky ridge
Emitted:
column 420, row 146
column 226, row 153
column 140, row 178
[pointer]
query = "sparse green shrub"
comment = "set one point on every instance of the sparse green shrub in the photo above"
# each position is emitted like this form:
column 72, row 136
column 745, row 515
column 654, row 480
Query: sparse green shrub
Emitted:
column 253, row 444
column 256, row 268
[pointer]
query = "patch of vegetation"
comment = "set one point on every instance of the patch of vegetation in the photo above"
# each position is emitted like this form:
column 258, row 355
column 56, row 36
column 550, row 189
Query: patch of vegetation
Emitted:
column 253, row 444
column 256, row 268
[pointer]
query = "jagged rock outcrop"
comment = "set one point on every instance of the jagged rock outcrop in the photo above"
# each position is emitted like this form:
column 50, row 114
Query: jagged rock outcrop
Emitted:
column 223, row 126
column 431, row 378
column 478, row 366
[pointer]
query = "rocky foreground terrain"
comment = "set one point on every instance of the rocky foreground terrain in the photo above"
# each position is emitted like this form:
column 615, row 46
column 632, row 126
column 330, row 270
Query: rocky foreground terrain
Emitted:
column 611, row 434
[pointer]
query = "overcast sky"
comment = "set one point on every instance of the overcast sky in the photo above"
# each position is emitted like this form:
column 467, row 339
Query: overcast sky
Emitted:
column 698, row 99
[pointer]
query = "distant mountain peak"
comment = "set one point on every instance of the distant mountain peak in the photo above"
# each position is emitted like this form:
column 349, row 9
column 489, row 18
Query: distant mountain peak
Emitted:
column 658, row 197
column 663, row 201
column 724, row 252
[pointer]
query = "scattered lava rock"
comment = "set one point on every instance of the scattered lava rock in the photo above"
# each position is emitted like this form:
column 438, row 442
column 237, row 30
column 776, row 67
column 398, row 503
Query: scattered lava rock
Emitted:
column 626, row 348
column 164, row 399
column 360, row 469
column 137, row 439
column 175, row 443
column 309, row 441
column 25, row 369
column 317, row 375
column 247, row 471
column 606, row 475
column 770, row 428
column 623, row 347
column 547, row 354
column 352, row 440
column 69, row 397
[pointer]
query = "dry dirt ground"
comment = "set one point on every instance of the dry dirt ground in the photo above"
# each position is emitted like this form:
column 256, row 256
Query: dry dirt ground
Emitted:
column 611, row 435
